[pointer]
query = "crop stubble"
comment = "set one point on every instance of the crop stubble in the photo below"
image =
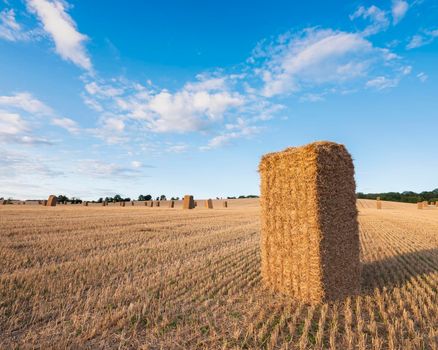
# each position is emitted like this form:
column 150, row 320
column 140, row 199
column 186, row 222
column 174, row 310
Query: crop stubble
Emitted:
column 137, row 277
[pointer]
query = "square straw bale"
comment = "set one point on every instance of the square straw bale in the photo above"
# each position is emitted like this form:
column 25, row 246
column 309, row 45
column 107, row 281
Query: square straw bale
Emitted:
column 225, row 204
column 420, row 205
column 309, row 231
column 51, row 202
column 188, row 202
column 379, row 204
column 209, row 204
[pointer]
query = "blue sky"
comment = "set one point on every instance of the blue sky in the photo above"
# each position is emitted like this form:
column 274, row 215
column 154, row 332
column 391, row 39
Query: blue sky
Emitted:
column 133, row 97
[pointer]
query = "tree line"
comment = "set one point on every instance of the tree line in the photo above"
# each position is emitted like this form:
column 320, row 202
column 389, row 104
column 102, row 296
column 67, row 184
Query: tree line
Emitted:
column 406, row 196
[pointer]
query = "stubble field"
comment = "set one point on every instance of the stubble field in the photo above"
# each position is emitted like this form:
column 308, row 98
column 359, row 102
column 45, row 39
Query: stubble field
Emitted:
column 159, row 278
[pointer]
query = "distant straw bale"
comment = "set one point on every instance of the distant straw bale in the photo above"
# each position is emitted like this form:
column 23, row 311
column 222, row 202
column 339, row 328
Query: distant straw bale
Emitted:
column 378, row 198
column 85, row 204
column 436, row 204
column 123, row 203
column 151, row 204
column 158, row 203
column 3, row 202
column 209, row 204
column 171, row 204
column 44, row 203
column 51, row 202
column 225, row 204
column 188, row 202
column 309, row 231
column 420, row 205
column 132, row 203
column 379, row 204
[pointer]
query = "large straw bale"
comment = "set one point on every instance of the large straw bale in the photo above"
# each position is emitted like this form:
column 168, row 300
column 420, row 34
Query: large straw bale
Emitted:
column 420, row 205
column 171, row 204
column 225, row 204
column 51, row 202
column 309, row 230
column 188, row 202
column 209, row 204
column 436, row 204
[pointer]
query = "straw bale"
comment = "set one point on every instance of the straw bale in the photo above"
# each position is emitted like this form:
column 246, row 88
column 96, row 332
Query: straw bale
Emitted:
column 309, row 231
column 132, row 203
column 420, row 205
column 188, row 202
column 45, row 202
column 158, row 203
column 378, row 198
column 51, row 202
column 436, row 204
column 209, row 204
column 379, row 204
column 171, row 204
column 123, row 204
column 3, row 202
column 225, row 204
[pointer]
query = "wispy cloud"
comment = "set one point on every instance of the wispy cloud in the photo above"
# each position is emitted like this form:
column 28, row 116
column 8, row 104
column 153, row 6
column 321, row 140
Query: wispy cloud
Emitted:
column 399, row 10
column 378, row 18
column 425, row 38
column 69, row 42
column 66, row 123
column 382, row 83
column 25, row 101
column 320, row 60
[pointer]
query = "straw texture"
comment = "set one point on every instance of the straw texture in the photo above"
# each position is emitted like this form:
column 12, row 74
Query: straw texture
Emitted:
column 188, row 202
column 379, row 204
column 209, row 204
column 420, row 205
column 51, row 202
column 309, row 233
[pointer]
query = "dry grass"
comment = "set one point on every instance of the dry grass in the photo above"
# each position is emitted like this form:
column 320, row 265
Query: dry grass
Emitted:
column 160, row 278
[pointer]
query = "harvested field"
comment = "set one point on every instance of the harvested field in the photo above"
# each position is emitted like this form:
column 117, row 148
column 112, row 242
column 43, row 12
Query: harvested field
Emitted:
column 162, row 278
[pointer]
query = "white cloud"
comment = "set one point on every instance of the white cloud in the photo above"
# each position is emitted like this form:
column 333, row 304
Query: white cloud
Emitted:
column 14, row 129
column 136, row 164
column 399, row 9
column 316, row 57
column 114, row 124
column 97, row 168
column 382, row 83
column 107, row 91
column 377, row 17
column 11, row 124
column 424, row 39
column 66, row 123
column 69, row 43
column 9, row 28
column 26, row 102
column 239, row 130
column 177, row 148
column 422, row 77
